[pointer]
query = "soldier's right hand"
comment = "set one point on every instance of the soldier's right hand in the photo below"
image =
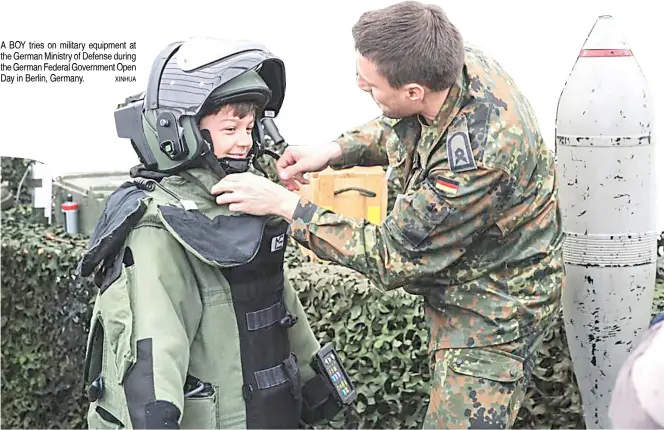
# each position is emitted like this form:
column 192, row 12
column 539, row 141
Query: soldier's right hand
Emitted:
column 298, row 160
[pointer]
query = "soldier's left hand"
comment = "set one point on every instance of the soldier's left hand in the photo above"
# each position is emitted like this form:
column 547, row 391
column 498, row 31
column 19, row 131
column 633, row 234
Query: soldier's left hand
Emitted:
column 255, row 195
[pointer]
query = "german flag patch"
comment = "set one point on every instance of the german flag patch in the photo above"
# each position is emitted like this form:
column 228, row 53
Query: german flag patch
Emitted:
column 448, row 186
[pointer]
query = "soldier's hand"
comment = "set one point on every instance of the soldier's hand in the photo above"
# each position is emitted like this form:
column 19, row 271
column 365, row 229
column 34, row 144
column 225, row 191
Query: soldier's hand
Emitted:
column 298, row 160
column 255, row 195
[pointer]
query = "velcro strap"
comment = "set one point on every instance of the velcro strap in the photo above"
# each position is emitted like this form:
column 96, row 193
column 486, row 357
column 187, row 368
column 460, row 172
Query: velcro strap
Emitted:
column 270, row 377
column 293, row 372
column 318, row 402
column 316, row 392
column 266, row 317
column 273, row 376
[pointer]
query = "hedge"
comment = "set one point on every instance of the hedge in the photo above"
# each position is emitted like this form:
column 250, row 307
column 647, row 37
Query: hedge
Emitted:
column 45, row 315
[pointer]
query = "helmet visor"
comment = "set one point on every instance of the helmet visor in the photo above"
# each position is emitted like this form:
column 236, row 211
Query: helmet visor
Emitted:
column 201, row 65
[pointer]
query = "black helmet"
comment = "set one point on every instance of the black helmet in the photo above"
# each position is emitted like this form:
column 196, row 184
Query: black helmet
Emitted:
column 162, row 122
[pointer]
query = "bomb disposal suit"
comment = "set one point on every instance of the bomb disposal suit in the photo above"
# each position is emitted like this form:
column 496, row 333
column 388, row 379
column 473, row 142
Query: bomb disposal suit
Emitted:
column 195, row 324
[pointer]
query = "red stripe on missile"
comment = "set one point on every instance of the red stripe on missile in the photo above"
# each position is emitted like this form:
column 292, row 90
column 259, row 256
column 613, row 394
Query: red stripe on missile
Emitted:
column 605, row 53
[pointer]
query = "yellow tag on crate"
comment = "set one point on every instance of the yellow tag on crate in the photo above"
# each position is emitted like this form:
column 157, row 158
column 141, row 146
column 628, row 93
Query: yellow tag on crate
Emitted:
column 373, row 214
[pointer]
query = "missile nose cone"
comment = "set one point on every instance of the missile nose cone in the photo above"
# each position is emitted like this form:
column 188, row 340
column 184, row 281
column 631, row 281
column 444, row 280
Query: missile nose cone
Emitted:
column 606, row 92
column 605, row 40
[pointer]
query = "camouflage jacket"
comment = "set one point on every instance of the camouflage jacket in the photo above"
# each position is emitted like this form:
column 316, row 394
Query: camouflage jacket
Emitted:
column 477, row 231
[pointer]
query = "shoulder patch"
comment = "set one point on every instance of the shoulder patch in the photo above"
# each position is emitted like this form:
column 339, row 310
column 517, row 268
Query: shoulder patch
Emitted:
column 459, row 152
column 123, row 209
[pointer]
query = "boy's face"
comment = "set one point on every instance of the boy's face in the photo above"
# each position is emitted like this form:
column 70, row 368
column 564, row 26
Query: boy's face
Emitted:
column 231, row 135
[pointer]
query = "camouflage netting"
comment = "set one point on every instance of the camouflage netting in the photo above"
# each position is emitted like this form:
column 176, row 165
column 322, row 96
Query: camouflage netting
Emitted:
column 14, row 172
column 380, row 337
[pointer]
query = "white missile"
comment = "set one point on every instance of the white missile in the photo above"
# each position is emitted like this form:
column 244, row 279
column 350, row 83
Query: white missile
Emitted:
column 606, row 169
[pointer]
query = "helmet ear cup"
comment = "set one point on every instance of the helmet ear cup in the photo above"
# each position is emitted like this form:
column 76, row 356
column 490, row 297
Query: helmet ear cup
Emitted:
column 191, row 135
column 168, row 132
column 205, row 135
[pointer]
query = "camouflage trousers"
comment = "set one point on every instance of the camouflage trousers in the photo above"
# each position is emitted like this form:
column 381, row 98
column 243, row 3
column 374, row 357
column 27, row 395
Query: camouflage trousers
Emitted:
column 481, row 387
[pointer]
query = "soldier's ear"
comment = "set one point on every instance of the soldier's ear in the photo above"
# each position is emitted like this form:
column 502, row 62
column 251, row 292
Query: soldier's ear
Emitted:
column 414, row 92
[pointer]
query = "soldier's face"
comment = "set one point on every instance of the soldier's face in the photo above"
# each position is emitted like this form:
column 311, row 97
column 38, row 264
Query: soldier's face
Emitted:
column 231, row 135
column 394, row 102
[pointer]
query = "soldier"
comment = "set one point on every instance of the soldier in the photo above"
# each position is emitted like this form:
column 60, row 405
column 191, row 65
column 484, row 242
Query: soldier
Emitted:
column 477, row 230
column 195, row 324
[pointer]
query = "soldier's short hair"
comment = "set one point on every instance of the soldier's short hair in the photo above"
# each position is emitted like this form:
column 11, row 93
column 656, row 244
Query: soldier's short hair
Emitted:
column 411, row 42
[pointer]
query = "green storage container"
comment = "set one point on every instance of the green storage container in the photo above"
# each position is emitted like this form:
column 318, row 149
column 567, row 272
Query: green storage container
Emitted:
column 90, row 191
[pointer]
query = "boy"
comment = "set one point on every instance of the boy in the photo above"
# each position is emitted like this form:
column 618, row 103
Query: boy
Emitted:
column 195, row 324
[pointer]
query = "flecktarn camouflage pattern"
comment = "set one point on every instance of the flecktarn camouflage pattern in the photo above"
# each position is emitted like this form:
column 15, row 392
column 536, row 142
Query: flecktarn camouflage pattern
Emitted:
column 477, row 231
